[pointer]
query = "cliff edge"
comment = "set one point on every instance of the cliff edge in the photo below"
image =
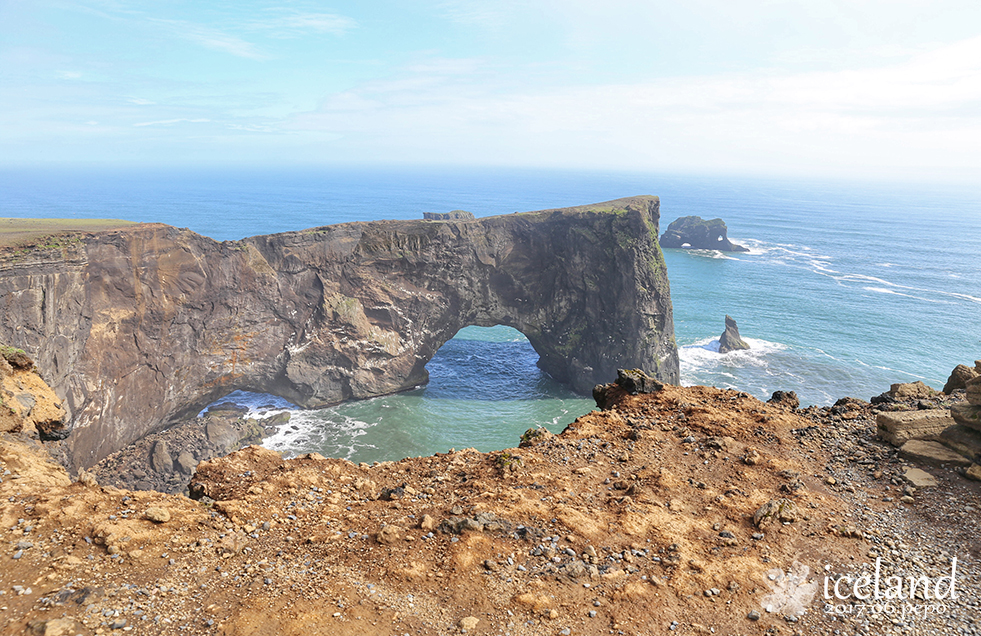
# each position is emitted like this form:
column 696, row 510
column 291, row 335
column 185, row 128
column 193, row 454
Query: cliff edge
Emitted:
column 138, row 326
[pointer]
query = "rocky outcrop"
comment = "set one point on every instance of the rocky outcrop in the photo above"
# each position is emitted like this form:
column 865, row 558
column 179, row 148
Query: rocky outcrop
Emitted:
column 899, row 427
column 27, row 404
column 969, row 414
column 786, row 399
column 960, row 376
column 698, row 234
column 166, row 459
column 631, row 381
column 730, row 340
column 137, row 327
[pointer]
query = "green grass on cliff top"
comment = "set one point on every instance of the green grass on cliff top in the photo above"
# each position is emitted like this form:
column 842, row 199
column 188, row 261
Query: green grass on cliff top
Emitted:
column 22, row 231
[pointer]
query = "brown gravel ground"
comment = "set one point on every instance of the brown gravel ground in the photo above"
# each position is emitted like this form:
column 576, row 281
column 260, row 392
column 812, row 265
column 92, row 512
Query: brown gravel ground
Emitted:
column 635, row 520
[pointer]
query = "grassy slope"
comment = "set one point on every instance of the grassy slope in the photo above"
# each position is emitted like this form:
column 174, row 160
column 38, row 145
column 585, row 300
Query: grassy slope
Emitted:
column 21, row 231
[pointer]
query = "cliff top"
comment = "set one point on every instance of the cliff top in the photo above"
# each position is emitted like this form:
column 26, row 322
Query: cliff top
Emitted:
column 633, row 518
column 17, row 232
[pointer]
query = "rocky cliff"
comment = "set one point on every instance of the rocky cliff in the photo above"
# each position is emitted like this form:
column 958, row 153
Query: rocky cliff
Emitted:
column 139, row 326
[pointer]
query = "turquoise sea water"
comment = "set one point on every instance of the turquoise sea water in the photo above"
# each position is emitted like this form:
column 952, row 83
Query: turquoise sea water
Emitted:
column 848, row 286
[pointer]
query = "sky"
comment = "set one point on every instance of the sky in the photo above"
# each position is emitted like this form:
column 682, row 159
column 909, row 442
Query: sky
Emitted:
column 768, row 87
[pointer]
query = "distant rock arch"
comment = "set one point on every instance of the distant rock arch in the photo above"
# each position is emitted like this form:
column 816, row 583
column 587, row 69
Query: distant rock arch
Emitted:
column 696, row 233
column 137, row 327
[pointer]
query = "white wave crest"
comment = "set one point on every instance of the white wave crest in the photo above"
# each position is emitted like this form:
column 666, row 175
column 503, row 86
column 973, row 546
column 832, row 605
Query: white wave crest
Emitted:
column 704, row 355
column 309, row 431
column 259, row 404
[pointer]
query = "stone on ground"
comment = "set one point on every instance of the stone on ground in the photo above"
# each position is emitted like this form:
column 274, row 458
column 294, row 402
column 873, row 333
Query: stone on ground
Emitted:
column 158, row 514
column 911, row 391
column 932, row 453
column 919, row 478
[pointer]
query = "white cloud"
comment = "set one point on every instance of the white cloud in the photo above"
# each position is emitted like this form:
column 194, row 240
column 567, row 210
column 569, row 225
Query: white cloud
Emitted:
column 211, row 38
column 69, row 75
column 289, row 23
column 139, row 101
column 168, row 122
column 920, row 111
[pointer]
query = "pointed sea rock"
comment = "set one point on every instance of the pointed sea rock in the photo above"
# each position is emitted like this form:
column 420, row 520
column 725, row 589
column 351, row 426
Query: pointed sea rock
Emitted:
column 730, row 340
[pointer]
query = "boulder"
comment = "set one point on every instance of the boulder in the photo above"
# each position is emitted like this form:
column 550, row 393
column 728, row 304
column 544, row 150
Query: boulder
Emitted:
column 911, row 391
column 636, row 381
column 962, row 439
column 973, row 390
column 160, row 459
column 730, row 340
column 223, row 436
column 786, row 399
column 158, row 514
column 973, row 472
column 468, row 623
column 967, row 414
column 898, row 427
column 781, row 510
column 17, row 358
column 186, row 463
column 228, row 408
column 388, row 534
column 27, row 402
column 633, row 381
column 932, row 453
column 959, row 378
column 919, row 478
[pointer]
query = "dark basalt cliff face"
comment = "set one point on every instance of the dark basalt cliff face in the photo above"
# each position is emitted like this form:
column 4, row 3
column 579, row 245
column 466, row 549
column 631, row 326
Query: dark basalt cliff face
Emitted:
column 699, row 234
column 138, row 327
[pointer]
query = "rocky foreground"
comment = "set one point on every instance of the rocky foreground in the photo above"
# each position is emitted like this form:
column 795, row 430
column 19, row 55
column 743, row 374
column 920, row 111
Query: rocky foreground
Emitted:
column 666, row 512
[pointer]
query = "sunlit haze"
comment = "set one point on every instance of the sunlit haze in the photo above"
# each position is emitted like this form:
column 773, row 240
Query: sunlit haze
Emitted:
column 856, row 88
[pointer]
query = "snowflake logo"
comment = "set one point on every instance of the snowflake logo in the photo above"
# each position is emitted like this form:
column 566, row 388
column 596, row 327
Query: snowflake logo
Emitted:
column 791, row 592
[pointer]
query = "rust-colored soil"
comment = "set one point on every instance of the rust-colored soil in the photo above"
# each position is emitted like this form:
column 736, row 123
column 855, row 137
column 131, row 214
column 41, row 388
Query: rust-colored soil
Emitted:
column 632, row 519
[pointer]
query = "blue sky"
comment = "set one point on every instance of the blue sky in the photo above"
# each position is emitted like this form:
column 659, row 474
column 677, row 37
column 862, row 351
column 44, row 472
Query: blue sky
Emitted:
column 829, row 87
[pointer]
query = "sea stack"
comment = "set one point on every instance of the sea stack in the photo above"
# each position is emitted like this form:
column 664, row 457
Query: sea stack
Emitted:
column 696, row 233
column 730, row 340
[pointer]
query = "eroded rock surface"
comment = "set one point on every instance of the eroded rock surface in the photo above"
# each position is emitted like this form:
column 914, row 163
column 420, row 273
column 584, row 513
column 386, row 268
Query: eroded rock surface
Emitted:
column 699, row 234
column 137, row 327
column 730, row 339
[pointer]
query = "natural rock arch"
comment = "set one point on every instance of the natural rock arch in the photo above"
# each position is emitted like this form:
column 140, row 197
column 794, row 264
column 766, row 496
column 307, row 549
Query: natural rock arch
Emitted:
column 140, row 326
column 700, row 234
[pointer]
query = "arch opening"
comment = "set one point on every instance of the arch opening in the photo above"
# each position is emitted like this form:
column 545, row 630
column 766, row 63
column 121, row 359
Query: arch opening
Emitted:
column 495, row 363
column 485, row 390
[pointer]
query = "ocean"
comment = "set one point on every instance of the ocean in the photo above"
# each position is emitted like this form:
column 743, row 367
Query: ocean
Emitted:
column 847, row 287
